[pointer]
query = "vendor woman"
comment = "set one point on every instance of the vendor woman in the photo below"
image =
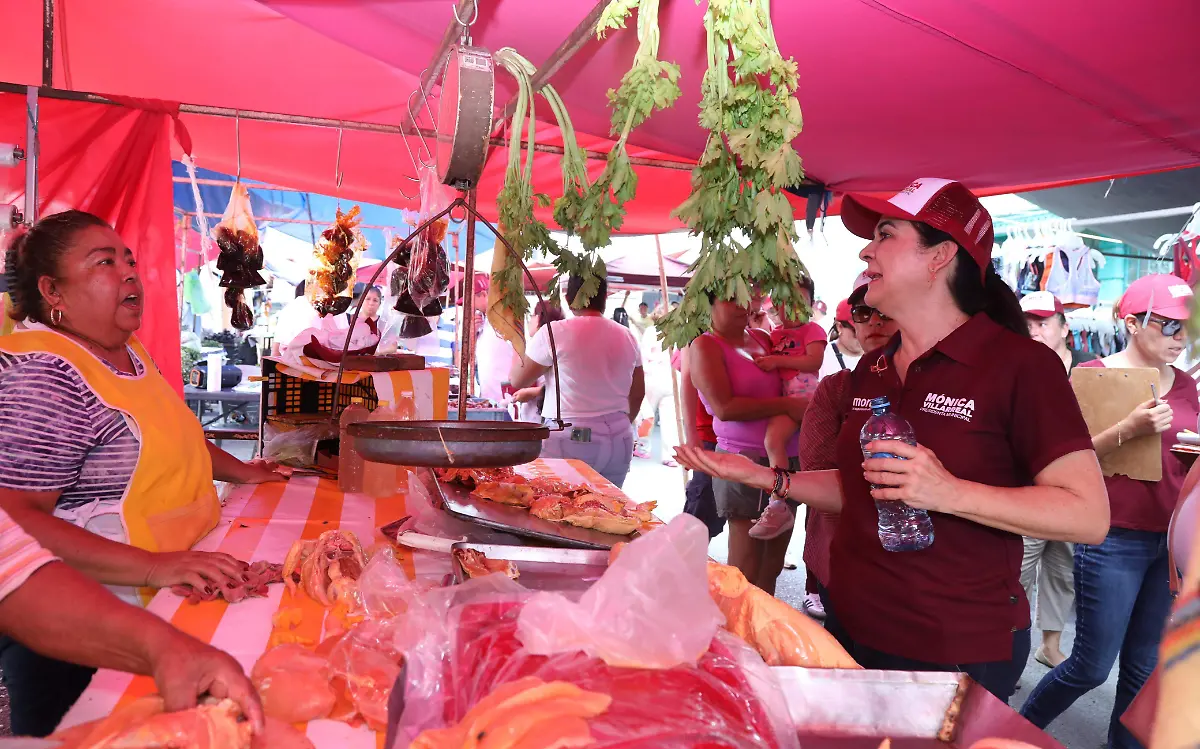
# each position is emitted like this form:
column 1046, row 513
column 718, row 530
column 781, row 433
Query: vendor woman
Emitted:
column 100, row 460
column 1003, row 452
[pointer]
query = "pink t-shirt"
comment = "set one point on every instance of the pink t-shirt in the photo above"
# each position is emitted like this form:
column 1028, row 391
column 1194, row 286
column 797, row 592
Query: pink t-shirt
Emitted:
column 794, row 342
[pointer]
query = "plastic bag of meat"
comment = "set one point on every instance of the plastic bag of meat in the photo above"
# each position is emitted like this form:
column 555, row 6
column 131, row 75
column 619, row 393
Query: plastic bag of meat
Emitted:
column 726, row 698
column 241, row 258
column 651, row 609
column 335, row 259
column 429, row 267
column 782, row 635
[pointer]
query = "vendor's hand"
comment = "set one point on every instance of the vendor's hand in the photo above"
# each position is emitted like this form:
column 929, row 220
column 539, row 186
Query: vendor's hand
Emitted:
column 728, row 466
column 185, row 669
column 1151, row 417
column 203, row 570
column 919, row 480
column 263, row 472
column 767, row 363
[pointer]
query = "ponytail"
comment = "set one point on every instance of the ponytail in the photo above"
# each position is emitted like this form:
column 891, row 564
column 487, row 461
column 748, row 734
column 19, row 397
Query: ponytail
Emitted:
column 973, row 294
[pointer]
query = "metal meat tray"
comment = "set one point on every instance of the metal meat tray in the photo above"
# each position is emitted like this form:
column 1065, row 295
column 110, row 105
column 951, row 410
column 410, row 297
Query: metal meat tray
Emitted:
column 856, row 709
column 458, row 501
column 540, row 568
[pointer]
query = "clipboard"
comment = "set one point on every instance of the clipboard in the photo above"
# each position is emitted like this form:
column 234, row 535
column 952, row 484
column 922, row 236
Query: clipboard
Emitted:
column 1105, row 397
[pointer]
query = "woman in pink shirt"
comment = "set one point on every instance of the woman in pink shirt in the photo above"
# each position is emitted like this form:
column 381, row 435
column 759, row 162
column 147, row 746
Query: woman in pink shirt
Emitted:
column 797, row 350
column 742, row 398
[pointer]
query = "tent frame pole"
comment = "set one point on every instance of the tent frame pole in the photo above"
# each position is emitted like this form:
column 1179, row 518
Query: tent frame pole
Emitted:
column 325, row 122
column 666, row 303
column 32, row 153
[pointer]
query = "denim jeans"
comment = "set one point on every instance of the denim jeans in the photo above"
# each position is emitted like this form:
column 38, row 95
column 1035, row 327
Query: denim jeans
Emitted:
column 1122, row 600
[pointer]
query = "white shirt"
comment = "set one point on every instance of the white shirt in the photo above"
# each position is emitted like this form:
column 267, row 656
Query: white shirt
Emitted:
column 596, row 359
column 296, row 316
column 829, row 364
column 494, row 358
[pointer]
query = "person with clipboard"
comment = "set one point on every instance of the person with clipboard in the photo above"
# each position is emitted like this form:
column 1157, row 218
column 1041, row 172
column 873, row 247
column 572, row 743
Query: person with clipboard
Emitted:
column 1122, row 587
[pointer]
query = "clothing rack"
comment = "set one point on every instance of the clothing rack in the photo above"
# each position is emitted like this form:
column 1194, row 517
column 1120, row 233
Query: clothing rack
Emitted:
column 1095, row 330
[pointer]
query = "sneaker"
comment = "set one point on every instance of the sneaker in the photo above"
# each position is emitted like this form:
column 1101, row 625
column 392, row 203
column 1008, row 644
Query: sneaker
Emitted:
column 641, row 452
column 776, row 520
column 812, row 606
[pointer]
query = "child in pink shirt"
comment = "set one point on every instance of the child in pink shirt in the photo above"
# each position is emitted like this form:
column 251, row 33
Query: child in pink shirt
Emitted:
column 797, row 350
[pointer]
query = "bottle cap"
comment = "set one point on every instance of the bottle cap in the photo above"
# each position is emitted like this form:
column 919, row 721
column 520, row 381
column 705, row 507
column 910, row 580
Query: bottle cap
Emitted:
column 356, row 400
column 383, row 404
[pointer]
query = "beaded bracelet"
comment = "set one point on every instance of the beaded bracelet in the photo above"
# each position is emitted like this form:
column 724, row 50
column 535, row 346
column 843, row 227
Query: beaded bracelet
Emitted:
column 783, row 483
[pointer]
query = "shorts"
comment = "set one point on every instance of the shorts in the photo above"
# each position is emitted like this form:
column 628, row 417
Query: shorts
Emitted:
column 740, row 502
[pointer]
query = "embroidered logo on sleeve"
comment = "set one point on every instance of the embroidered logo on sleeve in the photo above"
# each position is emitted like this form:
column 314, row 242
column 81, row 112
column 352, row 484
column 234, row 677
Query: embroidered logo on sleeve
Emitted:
column 945, row 405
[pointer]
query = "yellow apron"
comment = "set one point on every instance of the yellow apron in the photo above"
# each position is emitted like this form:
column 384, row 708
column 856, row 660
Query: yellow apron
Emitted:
column 170, row 502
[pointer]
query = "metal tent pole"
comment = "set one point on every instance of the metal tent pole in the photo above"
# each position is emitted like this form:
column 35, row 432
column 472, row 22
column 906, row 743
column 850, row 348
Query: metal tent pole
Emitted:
column 32, row 149
column 1140, row 216
column 666, row 302
column 466, row 356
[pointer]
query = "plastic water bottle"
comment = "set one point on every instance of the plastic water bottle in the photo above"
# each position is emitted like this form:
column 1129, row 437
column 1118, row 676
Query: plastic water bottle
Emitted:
column 350, row 462
column 901, row 528
column 380, row 479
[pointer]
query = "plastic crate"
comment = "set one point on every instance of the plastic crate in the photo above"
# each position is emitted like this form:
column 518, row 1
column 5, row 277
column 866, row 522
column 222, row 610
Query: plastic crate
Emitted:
column 286, row 395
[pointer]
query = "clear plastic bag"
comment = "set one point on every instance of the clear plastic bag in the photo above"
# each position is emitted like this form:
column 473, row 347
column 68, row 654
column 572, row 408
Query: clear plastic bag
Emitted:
column 428, row 264
column 330, row 285
column 298, row 447
column 463, row 642
column 241, row 258
column 651, row 609
column 782, row 635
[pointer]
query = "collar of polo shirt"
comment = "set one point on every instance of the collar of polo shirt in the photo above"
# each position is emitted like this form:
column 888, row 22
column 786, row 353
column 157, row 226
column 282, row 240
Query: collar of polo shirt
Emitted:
column 965, row 345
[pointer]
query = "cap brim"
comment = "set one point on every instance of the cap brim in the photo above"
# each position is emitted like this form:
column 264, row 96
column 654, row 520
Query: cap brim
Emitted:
column 1176, row 311
column 861, row 213
column 1039, row 313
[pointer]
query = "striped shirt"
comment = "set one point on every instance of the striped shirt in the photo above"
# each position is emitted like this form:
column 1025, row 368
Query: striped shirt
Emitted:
column 57, row 436
column 20, row 556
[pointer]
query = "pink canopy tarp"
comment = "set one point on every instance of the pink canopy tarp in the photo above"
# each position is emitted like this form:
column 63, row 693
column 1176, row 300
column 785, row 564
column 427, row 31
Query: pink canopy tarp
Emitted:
column 1002, row 94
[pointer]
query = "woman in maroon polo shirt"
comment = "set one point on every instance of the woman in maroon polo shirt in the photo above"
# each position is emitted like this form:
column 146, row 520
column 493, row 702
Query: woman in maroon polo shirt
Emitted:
column 818, row 438
column 1122, row 587
column 1003, row 452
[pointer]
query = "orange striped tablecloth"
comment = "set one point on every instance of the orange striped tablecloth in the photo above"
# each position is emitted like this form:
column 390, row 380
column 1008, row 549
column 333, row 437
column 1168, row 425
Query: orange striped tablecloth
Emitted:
column 262, row 522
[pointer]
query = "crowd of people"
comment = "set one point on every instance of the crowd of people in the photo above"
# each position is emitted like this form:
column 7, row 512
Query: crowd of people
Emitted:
column 1004, row 464
column 772, row 407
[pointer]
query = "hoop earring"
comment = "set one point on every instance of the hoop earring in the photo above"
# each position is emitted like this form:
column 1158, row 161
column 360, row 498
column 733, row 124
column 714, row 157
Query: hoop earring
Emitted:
column 56, row 319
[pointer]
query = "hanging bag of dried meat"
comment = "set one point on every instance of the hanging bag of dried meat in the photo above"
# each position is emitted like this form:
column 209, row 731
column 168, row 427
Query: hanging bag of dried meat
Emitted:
column 330, row 285
column 241, row 257
column 429, row 268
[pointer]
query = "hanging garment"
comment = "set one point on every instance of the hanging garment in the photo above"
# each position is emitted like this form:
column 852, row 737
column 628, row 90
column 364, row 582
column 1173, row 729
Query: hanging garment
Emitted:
column 1030, row 277
column 1071, row 278
column 1186, row 261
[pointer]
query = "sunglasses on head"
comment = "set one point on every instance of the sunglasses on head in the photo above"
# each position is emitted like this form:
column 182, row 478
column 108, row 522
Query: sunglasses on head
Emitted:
column 861, row 314
column 1169, row 327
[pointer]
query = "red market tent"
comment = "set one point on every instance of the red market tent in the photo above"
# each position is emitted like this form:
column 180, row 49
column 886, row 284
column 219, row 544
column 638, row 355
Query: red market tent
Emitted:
column 1001, row 94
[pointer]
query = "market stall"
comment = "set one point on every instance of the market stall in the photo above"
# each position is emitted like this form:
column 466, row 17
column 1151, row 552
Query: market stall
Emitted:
column 264, row 523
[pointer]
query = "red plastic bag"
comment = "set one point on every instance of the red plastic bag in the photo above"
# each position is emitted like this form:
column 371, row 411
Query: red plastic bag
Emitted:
column 463, row 642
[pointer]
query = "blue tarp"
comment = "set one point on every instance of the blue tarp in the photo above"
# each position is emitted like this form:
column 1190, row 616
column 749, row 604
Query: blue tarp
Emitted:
column 273, row 204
